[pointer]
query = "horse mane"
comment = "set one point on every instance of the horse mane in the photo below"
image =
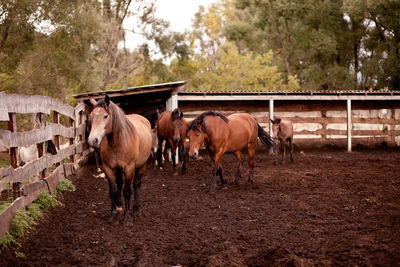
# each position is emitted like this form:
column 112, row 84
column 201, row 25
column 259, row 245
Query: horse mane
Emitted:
column 120, row 124
column 200, row 120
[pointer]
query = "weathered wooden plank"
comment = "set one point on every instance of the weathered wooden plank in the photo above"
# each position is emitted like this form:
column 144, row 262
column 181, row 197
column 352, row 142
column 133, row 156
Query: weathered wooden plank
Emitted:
column 34, row 167
column 32, row 104
column 81, row 146
column 80, row 107
column 80, row 130
column 17, row 139
column 7, row 215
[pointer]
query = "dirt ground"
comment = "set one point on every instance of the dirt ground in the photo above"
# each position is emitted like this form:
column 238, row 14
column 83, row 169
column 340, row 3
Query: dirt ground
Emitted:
column 326, row 208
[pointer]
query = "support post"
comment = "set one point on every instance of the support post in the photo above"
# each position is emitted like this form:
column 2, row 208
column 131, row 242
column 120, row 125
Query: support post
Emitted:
column 56, row 137
column 349, row 125
column 40, row 149
column 271, row 115
column 12, row 127
column 172, row 103
column 71, row 140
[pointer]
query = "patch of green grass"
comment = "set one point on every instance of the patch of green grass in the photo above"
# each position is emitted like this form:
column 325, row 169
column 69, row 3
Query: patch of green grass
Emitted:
column 20, row 255
column 34, row 212
column 65, row 185
column 4, row 204
column 46, row 200
column 8, row 241
column 22, row 221
column 20, row 224
column 4, row 162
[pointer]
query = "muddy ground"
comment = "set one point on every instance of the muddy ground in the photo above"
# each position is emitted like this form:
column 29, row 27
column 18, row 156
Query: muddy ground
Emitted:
column 326, row 208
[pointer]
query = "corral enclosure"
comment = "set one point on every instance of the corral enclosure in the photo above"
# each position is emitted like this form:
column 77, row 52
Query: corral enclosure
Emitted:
column 316, row 122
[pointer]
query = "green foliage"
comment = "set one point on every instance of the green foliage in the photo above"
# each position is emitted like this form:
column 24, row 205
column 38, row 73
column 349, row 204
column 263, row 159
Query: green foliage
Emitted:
column 4, row 162
column 65, row 185
column 8, row 241
column 34, row 211
column 20, row 224
column 20, row 255
column 46, row 200
column 6, row 203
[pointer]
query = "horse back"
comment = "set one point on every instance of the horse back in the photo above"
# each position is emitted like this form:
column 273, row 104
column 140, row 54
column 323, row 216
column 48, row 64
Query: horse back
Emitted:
column 286, row 128
column 143, row 139
column 163, row 124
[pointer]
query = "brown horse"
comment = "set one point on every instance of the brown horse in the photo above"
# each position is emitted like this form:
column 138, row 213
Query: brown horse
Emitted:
column 222, row 134
column 171, row 126
column 283, row 132
column 125, row 144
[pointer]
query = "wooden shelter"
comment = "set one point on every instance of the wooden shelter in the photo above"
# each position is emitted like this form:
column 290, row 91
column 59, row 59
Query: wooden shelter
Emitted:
column 319, row 117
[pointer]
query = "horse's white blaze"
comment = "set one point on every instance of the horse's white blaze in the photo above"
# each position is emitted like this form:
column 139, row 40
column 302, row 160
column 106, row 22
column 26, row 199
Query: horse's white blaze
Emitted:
column 98, row 130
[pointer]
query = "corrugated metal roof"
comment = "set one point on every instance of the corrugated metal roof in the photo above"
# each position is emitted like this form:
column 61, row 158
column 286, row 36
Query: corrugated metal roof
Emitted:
column 303, row 92
column 132, row 90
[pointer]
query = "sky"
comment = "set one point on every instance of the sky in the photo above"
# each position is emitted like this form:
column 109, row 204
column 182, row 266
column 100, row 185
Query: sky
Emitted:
column 178, row 12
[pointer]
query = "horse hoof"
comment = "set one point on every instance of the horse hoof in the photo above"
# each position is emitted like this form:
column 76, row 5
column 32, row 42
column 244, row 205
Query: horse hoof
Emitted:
column 119, row 209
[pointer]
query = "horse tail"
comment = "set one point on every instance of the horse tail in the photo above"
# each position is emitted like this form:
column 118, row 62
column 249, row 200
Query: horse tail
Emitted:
column 266, row 139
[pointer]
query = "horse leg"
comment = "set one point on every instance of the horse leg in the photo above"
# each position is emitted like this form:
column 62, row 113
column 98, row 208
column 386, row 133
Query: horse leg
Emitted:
column 282, row 148
column 137, row 181
column 182, row 155
column 238, row 174
column 252, row 152
column 110, row 174
column 217, row 170
column 159, row 153
column 119, row 178
column 291, row 149
column 96, row 157
column 173, row 150
column 276, row 151
column 129, row 173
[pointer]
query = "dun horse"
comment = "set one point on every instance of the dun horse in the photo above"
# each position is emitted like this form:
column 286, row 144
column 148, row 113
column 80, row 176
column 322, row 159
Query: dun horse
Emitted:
column 171, row 126
column 283, row 132
column 222, row 134
column 125, row 144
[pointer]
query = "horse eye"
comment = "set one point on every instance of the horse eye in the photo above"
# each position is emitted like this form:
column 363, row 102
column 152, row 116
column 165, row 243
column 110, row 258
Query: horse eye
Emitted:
column 106, row 116
column 198, row 135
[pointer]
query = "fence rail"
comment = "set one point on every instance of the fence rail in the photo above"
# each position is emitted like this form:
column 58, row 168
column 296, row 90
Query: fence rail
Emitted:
column 13, row 176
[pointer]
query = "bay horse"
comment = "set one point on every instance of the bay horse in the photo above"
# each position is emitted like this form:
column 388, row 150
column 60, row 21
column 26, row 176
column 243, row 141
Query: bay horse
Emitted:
column 171, row 127
column 125, row 143
column 222, row 134
column 282, row 133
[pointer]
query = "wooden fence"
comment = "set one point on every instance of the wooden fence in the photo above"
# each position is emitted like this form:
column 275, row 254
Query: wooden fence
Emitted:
column 11, row 178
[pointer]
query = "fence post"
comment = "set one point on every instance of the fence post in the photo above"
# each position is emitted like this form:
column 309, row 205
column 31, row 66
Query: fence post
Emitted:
column 71, row 140
column 349, row 126
column 271, row 115
column 12, row 127
column 40, row 145
column 56, row 137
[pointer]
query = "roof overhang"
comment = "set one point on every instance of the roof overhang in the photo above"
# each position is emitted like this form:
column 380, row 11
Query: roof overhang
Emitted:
column 173, row 87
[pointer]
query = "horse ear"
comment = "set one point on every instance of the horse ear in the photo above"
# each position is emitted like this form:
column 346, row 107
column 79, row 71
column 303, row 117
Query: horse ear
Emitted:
column 107, row 100
column 93, row 102
column 272, row 121
column 278, row 120
column 181, row 116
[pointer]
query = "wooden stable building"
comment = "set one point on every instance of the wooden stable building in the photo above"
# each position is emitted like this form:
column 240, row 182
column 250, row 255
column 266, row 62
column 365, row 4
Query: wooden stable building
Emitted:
column 344, row 118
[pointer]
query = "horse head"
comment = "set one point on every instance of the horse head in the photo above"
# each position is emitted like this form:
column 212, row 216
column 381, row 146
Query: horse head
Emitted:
column 196, row 138
column 101, row 121
column 276, row 127
column 50, row 147
column 177, row 124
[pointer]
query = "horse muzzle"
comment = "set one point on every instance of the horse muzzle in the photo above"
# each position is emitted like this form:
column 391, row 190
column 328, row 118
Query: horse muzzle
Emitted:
column 194, row 155
column 94, row 142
